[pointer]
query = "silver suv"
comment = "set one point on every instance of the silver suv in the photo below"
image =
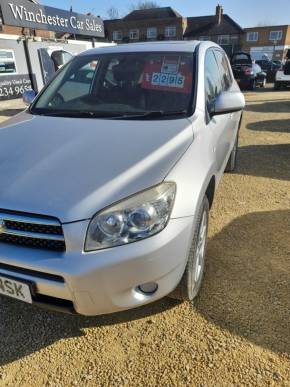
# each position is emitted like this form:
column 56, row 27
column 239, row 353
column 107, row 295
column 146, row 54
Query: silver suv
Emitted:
column 108, row 177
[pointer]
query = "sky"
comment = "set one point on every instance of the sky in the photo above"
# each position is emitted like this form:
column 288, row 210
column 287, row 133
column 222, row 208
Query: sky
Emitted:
column 247, row 13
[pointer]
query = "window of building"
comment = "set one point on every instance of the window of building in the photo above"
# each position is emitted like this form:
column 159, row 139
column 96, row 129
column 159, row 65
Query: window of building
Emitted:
column 134, row 34
column 275, row 35
column 224, row 39
column 7, row 62
column 204, row 38
column 252, row 36
column 152, row 33
column 170, row 31
column 117, row 35
column 234, row 39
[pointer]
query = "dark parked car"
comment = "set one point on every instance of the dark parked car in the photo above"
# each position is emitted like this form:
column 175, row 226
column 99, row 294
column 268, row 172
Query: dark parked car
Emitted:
column 248, row 74
column 270, row 67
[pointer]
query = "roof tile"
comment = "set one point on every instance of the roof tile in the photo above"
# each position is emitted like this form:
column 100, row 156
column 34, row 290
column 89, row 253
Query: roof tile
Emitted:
column 152, row 13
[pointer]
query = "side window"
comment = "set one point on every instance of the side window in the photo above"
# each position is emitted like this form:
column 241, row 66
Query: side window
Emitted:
column 109, row 75
column 225, row 71
column 79, row 82
column 213, row 86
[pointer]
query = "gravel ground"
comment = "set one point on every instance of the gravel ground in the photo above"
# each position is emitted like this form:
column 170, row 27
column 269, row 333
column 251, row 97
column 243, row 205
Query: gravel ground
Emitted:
column 10, row 108
column 238, row 331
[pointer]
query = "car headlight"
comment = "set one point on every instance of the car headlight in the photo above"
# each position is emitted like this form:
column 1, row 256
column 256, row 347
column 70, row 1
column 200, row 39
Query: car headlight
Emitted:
column 137, row 217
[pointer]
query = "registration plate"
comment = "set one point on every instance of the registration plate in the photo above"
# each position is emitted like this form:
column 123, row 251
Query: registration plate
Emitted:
column 15, row 289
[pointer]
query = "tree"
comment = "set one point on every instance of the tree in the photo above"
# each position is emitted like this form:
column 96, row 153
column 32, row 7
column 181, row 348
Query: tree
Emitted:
column 264, row 23
column 144, row 5
column 113, row 13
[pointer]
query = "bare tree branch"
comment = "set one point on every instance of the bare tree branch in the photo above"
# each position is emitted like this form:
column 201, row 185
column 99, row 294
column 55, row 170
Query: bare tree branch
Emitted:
column 113, row 13
column 144, row 5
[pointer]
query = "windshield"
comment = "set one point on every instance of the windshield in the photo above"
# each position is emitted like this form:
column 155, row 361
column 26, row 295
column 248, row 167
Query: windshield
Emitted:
column 120, row 84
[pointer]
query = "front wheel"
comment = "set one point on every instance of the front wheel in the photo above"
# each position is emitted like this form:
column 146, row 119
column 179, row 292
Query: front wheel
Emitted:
column 252, row 85
column 191, row 281
column 263, row 84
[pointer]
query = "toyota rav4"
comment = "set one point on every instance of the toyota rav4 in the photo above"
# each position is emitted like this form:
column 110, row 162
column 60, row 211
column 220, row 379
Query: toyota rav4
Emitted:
column 107, row 178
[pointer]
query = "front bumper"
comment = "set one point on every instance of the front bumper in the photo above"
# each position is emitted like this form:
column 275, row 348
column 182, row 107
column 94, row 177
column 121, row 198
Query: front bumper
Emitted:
column 104, row 281
column 282, row 79
column 283, row 83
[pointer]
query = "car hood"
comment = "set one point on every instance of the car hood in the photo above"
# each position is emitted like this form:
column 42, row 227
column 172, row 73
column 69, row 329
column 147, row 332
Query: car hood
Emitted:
column 71, row 168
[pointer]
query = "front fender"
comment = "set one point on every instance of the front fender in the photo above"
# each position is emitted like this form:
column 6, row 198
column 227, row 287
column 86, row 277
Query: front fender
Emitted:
column 192, row 175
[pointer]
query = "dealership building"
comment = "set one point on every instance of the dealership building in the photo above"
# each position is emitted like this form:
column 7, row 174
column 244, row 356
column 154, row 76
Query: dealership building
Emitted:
column 36, row 40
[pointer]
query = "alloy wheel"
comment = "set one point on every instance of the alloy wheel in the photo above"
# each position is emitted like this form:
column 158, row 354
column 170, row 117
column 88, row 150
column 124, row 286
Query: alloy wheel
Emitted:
column 200, row 250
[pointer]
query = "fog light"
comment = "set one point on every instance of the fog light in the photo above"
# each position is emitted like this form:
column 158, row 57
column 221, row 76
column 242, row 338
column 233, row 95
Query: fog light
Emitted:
column 149, row 288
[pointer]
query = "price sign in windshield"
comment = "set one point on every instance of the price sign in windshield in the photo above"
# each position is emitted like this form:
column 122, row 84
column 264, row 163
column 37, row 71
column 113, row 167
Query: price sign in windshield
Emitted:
column 172, row 73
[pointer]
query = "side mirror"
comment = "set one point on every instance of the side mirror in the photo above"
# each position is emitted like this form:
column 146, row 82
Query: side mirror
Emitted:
column 28, row 97
column 227, row 102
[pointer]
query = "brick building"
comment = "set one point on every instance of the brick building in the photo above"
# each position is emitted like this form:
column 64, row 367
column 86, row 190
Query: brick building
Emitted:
column 273, row 41
column 219, row 28
column 148, row 24
column 167, row 24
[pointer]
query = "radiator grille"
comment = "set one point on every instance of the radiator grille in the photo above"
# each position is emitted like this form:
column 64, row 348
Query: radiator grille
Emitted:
column 31, row 231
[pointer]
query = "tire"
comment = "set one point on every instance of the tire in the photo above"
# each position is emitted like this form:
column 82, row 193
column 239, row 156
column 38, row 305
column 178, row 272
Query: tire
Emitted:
column 277, row 86
column 252, row 85
column 232, row 162
column 190, row 284
column 263, row 84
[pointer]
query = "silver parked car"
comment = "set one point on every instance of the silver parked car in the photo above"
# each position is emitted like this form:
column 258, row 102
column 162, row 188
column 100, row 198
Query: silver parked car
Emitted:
column 108, row 177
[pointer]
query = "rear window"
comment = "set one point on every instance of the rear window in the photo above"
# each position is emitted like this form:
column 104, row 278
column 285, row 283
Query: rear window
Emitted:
column 241, row 59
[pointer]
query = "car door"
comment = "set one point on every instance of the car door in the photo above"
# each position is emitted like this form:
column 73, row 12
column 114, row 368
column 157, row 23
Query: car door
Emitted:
column 227, row 84
column 219, row 126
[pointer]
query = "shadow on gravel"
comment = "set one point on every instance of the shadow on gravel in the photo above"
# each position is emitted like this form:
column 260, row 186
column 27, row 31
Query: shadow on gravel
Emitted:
column 276, row 126
column 247, row 286
column 25, row 329
column 270, row 107
column 253, row 101
column 272, row 161
column 10, row 112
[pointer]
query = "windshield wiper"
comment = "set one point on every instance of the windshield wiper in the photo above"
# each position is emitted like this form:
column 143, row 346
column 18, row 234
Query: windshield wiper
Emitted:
column 152, row 114
column 78, row 114
column 113, row 115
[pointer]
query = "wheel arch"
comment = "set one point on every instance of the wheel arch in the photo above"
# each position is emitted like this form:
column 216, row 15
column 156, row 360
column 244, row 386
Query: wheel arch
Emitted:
column 210, row 191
